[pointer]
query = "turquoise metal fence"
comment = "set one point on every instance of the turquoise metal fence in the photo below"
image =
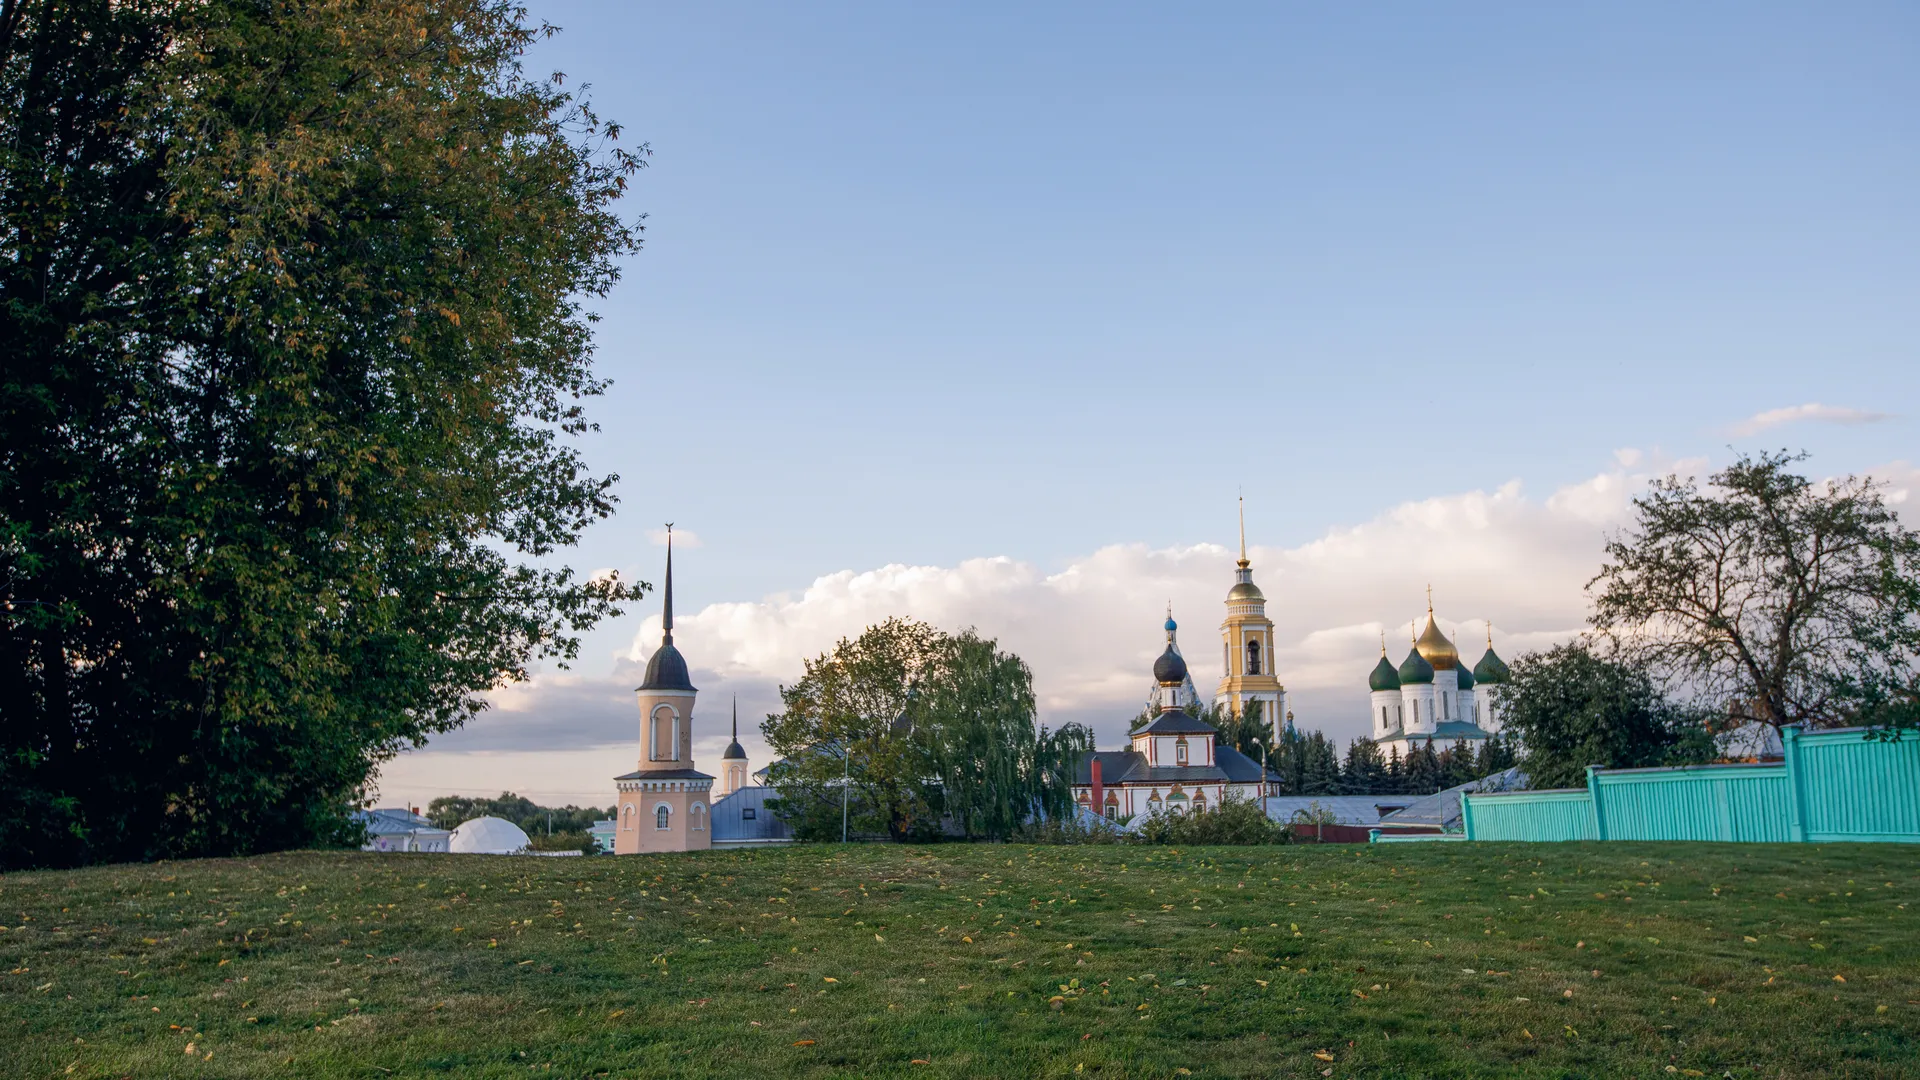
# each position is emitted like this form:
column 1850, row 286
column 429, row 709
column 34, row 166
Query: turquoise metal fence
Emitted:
column 1831, row 785
column 1529, row 815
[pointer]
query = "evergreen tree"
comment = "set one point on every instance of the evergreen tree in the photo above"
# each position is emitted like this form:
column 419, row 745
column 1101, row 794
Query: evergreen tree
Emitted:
column 1423, row 770
column 1394, row 781
column 1460, row 767
column 1364, row 773
column 1320, row 767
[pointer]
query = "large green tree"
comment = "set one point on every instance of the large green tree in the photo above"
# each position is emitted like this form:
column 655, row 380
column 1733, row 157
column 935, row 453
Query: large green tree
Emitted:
column 1570, row 708
column 914, row 733
column 1770, row 597
column 292, row 352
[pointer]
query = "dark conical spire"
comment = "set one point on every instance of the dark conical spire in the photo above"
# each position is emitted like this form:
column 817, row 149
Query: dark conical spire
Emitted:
column 666, row 668
column 734, row 749
column 666, row 617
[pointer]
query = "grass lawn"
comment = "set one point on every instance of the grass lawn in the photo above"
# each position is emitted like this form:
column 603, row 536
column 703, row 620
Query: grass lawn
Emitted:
column 1646, row 960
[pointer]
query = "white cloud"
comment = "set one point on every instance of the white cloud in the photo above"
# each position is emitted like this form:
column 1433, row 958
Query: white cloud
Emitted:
column 1090, row 630
column 1813, row 410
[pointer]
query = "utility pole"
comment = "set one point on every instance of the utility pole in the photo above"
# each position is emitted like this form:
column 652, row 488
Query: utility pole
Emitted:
column 846, row 782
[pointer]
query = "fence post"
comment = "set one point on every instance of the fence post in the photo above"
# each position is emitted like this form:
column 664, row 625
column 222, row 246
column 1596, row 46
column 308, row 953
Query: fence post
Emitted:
column 1796, row 807
column 1593, row 800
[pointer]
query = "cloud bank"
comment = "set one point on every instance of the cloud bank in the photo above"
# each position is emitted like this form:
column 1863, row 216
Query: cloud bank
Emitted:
column 1813, row 410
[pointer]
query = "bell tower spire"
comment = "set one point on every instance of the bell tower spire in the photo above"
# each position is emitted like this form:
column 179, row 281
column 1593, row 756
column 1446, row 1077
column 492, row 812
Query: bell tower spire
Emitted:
column 666, row 610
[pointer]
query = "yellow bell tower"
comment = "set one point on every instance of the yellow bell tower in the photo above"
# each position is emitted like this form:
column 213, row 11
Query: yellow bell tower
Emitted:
column 1247, row 643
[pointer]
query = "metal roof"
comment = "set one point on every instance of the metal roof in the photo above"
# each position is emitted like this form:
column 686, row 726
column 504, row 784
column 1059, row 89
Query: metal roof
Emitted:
column 732, row 825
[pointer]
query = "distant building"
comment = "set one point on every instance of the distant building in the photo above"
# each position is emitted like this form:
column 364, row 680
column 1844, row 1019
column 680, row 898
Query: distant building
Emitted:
column 488, row 836
column 663, row 804
column 1173, row 764
column 602, row 833
column 743, row 819
column 1432, row 697
column 400, row 829
column 1248, row 670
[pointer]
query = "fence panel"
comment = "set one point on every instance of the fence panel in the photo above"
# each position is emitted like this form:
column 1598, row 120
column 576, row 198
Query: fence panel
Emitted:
column 1529, row 815
column 1705, row 802
column 1855, row 789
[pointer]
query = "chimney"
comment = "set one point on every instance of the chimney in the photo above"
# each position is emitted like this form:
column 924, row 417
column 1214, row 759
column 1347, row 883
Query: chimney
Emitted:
column 1099, row 789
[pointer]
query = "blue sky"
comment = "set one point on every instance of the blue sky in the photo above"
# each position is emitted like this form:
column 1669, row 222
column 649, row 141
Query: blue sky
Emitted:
column 925, row 284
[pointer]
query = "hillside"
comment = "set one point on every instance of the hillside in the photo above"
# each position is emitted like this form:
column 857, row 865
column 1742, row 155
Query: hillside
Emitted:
column 1402, row 960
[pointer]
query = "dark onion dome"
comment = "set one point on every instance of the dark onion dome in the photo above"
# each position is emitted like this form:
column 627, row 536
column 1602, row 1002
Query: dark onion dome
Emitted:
column 666, row 669
column 1464, row 677
column 1491, row 669
column 1170, row 670
column 1415, row 670
column 1383, row 677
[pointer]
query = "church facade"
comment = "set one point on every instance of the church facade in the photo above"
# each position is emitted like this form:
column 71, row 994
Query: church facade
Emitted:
column 1432, row 697
column 664, row 804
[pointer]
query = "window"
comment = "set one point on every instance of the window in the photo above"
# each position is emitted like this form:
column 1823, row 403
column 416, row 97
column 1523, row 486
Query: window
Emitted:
column 749, row 813
column 1446, row 706
column 697, row 814
column 1416, row 712
column 1253, row 657
column 1383, row 718
column 662, row 817
column 626, row 818
column 1113, row 811
column 1180, row 752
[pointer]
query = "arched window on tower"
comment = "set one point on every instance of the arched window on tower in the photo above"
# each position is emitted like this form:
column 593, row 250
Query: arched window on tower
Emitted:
column 663, row 742
column 662, row 817
column 1253, row 657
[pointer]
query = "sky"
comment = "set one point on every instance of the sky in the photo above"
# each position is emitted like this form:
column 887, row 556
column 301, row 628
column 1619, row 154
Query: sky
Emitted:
column 986, row 315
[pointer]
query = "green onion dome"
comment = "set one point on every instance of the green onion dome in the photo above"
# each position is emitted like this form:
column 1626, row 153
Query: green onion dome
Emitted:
column 1383, row 677
column 1491, row 669
column 1465, row 677
column 1416, row 670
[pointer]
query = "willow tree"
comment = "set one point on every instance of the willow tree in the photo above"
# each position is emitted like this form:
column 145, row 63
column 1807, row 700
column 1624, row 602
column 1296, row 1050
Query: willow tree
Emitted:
column 975, row 726
column 292, row 359
column 1769, row 597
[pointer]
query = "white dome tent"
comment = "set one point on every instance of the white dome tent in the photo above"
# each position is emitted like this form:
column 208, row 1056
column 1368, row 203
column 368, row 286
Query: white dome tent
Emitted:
column 487, row 836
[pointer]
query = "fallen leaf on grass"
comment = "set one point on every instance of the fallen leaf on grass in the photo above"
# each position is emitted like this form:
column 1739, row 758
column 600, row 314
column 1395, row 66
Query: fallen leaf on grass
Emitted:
column 616, row 1013
column 1322, row 1055
column 919, row 1061
column 830, row 979
column 804, row 1042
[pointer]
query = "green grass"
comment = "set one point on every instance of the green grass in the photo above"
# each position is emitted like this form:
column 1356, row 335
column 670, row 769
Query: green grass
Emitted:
column 1646, row 960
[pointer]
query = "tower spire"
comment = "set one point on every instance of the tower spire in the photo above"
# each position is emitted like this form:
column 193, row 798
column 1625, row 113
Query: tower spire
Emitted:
column 1243, row 533
column 736, row 718
column 666, row 617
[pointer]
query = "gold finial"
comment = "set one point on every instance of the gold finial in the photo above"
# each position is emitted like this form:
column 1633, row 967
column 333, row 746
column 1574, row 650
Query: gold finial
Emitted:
column 1243, row 532
column 1489, row 633
column 1429, row 598
column 1383, row 644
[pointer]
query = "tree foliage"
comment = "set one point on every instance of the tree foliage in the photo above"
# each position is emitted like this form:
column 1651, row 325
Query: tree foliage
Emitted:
column 1234, row 821
column 1570, row 708
column 292, row 354
column 923, row 733
column 448, row 811
column 1770, row 597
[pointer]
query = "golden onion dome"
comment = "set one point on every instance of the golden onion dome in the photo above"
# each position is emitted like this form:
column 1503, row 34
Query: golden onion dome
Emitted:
column 1245, row 590
column 1435, row 648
